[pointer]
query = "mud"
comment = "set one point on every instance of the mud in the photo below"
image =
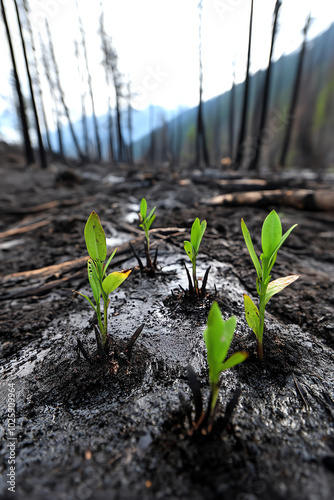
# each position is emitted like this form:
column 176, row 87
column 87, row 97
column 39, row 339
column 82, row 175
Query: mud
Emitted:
column 85, row 432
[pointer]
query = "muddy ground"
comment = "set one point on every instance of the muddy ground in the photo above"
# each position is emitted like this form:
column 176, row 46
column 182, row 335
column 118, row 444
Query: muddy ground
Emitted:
column 83, row 431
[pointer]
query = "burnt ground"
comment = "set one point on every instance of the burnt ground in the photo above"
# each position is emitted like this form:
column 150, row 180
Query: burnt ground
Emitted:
column 94, row 430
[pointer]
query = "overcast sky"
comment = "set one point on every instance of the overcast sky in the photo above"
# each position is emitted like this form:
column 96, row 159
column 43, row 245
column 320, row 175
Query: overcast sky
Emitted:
column 157, row 44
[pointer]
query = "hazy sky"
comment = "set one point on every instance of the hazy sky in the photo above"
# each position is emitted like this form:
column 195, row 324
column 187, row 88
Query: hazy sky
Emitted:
column 157, row 44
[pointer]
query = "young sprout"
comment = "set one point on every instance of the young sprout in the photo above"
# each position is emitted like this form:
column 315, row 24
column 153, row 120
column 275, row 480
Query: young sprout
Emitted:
column 218, row 337
column 101, row 285
column 192, row 247
column 272, row 240
column 146, row 221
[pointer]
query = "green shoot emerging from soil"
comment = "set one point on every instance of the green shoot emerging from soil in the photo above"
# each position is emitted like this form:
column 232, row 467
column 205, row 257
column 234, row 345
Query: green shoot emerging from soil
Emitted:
column 272, row 240
column 146, row 221
column 192, row 247
column 218, row 337
column 101, row 285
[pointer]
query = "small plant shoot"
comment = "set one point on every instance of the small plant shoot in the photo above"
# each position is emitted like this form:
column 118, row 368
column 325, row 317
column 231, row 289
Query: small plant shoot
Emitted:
column 145, row 223
column 272, row 240
column 102, row 285
column 218, row 337
column 191, row 248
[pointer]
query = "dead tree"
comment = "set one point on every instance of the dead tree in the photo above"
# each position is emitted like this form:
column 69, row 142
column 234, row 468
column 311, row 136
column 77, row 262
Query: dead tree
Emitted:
column 83, row 105
column 96, row 128
column 130, row 125
column 294, row 96
column 29, row 153
column 231, row 118
column 61, row 92
column 110, row 62
column 42, row 155
column 243, row 122
column 258, row 144
column 37, row 79
column 201, row 144
column 57, row 117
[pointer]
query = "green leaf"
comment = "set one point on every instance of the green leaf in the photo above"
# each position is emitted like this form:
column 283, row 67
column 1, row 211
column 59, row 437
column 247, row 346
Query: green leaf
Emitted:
column 94, row 280
column 278, row 285
column 95, row 238
column 114, row 280
column 109, row 260
column 197, row 232
column 235, row 359
column 250, row 247
column 88, row 299
column 143, row 209
column 252, row 314
column 149, row 221
column 282, row 240
column 189, row 249
column 218, row 336
column 271, row 234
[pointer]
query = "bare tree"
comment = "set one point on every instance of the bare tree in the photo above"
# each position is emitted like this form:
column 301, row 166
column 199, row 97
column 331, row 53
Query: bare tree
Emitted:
column 254, row 162
column 29, row 153
column 201, row 145
column 96, row 129
column 83, row 105
column 294, row 96
column 110, row 62
column 57, row 116
column 130, row 126
column 32, row 94
column 243, row 122
column 61, row 92
column 36, row 72
column 231, row 117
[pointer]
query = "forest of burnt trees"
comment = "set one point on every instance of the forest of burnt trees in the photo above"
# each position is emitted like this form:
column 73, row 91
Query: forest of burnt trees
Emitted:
column 279, row 117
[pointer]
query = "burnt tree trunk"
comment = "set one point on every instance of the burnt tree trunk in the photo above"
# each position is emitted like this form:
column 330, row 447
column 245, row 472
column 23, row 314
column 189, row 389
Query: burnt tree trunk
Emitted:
column 259, row 139
column 29, row 153
column 42, row 155
column 294, row 98
column 243, row 123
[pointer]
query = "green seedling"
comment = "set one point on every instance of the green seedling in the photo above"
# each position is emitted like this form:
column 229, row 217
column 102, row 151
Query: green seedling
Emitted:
column 218, row 337
column 272, row 240
column 192, row 247
column 145, row 223
column 102, row 285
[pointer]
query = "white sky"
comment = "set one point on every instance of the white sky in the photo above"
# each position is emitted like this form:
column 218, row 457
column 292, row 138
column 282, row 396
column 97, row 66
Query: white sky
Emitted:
column 157, row 44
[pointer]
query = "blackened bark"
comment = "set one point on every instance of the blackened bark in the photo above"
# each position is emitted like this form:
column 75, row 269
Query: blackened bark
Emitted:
column 42, row 154
column 243, row 123
column 258, row 145
column 29, row 153
column 294, row 98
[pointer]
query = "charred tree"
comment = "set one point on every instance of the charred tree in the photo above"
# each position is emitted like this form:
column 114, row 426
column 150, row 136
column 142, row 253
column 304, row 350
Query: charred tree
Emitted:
column 243, row 122
column 294, row 97
column 130, row 126
column 259, row 139
column 61, row 92
column 110, row 62
column 83, row 103
column 29, row 153
column 201, row 144
column 231, row 118
column 42, row 155
column 57, row 117
column 37, row 79
column 96, row 128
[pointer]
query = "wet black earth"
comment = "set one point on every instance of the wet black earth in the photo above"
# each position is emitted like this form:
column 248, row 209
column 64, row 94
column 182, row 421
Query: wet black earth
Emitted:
column 93, row 430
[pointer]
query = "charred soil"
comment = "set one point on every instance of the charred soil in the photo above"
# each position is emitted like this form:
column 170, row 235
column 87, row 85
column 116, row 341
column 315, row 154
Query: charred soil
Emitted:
column 117, row 428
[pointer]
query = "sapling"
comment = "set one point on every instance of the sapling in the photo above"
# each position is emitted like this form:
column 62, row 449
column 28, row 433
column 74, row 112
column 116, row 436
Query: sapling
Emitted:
column 218, row 337
column 145, row 223
column 192, row 247
column 272, row 240
column 102, row 285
